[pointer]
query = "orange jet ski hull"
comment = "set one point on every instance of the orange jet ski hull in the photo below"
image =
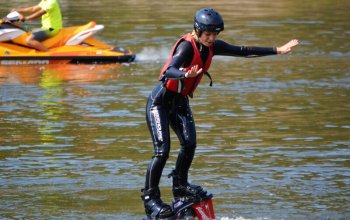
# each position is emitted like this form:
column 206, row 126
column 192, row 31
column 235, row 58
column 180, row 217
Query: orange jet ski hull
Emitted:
column 90, row 50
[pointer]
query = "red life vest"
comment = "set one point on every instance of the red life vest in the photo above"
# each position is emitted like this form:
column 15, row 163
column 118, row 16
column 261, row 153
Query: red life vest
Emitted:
column 187, row 86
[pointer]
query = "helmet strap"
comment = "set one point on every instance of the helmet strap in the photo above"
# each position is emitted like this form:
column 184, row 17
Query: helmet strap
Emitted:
column 198, row 32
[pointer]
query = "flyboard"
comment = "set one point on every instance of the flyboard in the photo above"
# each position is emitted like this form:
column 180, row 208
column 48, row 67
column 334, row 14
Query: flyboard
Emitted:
column 195, row 207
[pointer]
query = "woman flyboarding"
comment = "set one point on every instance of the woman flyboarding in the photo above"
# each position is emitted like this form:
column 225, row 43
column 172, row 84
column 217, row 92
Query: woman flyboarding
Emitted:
column 168, row 104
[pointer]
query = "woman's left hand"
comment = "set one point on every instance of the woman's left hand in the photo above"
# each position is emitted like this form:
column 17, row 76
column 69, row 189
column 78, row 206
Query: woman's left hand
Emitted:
column 287, row 47
column 193, row 72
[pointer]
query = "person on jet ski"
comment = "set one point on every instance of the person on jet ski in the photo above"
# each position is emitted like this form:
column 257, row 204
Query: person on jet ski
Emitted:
column 168, row 104
column 51, row 21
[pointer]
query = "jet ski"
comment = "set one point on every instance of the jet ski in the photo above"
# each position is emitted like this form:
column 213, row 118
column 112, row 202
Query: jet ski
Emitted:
column 71, row 45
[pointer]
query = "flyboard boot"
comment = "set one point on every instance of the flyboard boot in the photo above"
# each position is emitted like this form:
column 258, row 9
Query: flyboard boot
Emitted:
column 190, row 200
column 181, row 188
column 155, row 208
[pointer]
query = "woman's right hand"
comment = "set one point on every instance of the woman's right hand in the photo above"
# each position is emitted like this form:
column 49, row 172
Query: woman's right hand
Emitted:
column 193, row 72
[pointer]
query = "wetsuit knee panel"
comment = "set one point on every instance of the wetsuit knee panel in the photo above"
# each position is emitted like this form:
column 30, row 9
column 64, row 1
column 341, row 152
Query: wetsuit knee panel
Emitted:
column 161, row 155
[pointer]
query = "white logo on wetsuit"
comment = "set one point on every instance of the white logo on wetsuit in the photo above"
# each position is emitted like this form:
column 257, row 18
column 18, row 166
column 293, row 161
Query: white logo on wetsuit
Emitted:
column 158, row 125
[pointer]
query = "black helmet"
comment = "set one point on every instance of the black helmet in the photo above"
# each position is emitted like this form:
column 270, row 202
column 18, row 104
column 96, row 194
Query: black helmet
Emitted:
column 207, row 19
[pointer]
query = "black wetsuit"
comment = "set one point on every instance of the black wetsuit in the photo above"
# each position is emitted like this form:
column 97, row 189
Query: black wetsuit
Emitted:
column 166, row 108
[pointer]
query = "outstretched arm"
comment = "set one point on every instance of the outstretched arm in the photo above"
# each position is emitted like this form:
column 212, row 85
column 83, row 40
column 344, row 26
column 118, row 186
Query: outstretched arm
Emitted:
column 225, row 49
column 33, row 16
column 31, row 9
column 35, row 12
column 287, row 47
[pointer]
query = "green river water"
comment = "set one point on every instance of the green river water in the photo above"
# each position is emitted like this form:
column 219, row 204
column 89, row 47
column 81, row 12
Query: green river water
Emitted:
column 273, row 132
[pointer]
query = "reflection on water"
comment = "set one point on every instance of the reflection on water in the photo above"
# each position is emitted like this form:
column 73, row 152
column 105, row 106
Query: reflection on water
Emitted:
column 273, row 132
